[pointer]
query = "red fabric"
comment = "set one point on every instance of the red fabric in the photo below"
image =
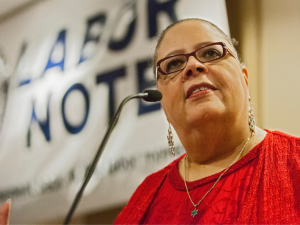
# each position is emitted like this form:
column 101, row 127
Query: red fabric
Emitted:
column 221, row 206
column 272, row 196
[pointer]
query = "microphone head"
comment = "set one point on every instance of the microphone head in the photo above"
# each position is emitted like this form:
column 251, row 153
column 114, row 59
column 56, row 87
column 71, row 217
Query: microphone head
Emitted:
column 153, row 96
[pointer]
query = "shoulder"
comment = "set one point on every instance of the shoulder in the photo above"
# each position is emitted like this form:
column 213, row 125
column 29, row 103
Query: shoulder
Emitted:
column 143, row 196
column 157, row 177
column 280, row 138
column 281, row 145
column 282, row 134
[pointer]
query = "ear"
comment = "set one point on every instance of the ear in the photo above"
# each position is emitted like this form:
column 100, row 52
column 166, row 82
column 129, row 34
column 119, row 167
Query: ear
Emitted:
column 245, row 74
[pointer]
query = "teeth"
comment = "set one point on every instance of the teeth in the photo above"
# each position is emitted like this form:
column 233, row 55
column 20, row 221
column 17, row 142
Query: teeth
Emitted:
column 199, row 89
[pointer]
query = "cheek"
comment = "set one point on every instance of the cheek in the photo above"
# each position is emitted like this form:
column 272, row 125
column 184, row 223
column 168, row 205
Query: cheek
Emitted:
column 166, row 103
column 172, row 96
column 228, row 84
column 228, row 76
column 169, row 87
column 168, row 97
column 233, row 88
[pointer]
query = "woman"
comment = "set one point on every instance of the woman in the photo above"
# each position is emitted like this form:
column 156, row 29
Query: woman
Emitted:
column 232, row 172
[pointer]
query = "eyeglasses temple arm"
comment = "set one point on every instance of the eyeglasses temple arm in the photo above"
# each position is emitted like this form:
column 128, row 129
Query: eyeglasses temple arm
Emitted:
column 230, row 52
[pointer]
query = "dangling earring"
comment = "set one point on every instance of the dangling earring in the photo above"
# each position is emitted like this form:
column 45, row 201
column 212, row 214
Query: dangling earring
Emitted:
column 171, row 140
column 251, row 120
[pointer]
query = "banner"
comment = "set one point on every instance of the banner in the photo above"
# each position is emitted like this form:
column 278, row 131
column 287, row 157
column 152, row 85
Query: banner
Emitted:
column 74, row 62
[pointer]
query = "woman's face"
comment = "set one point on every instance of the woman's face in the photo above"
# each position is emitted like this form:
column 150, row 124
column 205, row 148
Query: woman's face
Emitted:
column 224, row 81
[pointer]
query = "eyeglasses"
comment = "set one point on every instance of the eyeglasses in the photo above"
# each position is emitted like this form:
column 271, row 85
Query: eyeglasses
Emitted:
column 206, row 53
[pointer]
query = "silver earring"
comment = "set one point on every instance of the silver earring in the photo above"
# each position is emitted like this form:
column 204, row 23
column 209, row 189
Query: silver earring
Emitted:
column 251, row 120
column 171, row 140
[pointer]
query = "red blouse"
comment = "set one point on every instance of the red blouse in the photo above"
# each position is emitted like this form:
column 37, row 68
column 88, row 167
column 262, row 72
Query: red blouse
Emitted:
column 261, row 188
column 221, row 206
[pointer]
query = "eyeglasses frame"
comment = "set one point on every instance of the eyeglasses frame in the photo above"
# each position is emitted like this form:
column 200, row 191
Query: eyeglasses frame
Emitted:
column 187, row 55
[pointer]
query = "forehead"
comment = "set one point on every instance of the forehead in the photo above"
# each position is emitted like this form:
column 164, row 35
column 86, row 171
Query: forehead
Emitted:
column 184, row 36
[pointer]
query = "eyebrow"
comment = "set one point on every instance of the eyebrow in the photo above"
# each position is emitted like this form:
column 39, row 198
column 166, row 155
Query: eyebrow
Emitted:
column 181, row 51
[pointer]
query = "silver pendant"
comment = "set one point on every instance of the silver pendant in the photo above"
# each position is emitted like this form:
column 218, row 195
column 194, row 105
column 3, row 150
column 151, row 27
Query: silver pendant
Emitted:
column 194, row 212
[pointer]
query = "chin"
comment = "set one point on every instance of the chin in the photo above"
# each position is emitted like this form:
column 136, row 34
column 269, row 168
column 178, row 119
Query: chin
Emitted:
column 206, row 114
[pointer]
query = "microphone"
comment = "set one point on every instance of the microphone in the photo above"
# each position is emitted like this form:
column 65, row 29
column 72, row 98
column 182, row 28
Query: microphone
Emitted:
column 147, row 95
column 153, row 96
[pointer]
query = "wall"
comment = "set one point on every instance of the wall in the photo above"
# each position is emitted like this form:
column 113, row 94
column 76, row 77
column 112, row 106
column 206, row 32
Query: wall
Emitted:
column 280, row 65
column 268, row 33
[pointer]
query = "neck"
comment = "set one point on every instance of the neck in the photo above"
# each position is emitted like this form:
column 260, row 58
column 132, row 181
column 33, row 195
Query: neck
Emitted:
column 209, row 144
column 211, row 152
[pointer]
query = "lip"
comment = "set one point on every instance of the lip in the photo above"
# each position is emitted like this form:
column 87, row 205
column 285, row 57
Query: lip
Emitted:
column 190, row 94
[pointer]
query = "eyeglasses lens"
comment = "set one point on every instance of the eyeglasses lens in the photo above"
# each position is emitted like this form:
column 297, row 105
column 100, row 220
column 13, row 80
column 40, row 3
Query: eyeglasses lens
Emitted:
column 209, row 53
column 173, row 64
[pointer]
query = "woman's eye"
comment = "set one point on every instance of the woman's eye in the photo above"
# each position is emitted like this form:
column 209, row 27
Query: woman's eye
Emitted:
column 211, row 54
column 174, row 64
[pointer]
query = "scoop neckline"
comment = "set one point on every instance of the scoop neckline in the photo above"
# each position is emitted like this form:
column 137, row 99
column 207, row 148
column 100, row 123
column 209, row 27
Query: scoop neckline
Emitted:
column 177, row 182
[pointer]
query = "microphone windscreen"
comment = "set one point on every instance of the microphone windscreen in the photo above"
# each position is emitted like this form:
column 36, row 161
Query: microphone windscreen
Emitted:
column 153, row 96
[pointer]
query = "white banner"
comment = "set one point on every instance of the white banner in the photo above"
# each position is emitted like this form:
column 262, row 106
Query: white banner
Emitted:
column 75, row 61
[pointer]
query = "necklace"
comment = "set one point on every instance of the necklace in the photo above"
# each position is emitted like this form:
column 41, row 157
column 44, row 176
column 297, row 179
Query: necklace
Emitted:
column 195, row 211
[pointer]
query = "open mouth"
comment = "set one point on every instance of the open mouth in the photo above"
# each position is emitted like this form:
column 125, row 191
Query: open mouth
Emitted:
column 200, row 88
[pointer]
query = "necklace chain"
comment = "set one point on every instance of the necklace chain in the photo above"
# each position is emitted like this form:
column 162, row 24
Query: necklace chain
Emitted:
column 195, row 211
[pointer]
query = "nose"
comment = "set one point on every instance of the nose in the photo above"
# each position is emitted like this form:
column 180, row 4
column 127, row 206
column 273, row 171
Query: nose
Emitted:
column 194, row 68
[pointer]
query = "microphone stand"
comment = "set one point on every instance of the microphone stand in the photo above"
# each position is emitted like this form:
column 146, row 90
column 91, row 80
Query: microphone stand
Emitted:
column 99, row 153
